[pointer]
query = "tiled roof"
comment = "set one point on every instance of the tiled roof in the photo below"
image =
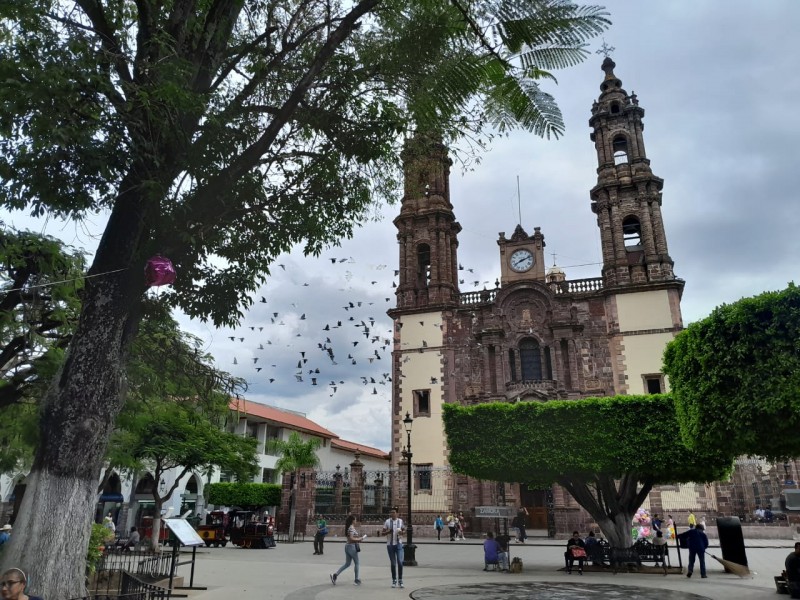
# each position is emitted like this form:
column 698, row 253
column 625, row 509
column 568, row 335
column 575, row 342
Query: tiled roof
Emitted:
column 282, row 417
column 352, row 446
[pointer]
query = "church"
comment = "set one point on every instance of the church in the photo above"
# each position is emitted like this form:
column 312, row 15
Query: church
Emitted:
column 537, row 336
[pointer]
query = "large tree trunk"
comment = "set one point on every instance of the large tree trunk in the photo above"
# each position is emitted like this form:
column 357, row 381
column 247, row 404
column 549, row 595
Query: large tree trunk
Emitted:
column 611, row 503
column 52, row 531
column 617, row 529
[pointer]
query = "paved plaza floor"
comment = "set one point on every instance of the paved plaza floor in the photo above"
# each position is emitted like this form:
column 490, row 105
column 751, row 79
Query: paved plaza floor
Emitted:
column 454, row 571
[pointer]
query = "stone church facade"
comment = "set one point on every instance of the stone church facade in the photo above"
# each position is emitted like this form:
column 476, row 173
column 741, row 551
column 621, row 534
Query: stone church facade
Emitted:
column 537, row 335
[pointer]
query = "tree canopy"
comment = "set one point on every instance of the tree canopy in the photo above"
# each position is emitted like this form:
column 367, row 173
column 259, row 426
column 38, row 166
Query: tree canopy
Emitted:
column 40, row 279
column 221, row 134
column 245, row 495
column 735, row 376
column 294, row 453
column 607, row 452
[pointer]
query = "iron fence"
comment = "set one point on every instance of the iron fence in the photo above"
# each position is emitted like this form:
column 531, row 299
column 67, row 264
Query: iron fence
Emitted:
column 754, row 484
column 108, row 579
column 132, row 587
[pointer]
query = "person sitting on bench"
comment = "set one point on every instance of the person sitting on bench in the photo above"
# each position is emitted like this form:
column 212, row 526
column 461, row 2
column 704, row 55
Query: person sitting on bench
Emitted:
column 490, row 551
column 576, row 549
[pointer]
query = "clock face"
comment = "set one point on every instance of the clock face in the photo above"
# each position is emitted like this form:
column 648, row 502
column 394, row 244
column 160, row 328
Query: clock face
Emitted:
column 521, row 261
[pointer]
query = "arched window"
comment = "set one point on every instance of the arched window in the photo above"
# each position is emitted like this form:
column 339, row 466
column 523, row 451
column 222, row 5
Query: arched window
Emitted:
column 423, row 265
column 191, row 485
column 146, row 485
column 615, row 108
column 530, row 358
column 620, row 148
column 632, row 233
column 512, row 363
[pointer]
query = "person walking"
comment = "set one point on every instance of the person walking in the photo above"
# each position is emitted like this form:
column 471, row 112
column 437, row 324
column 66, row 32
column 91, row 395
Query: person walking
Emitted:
column 462, row 525
column 319, row 535
column 13, row 585
column 519, row 523
column 438, row 525
column 393, row 528
column 451, row 525
column 697, row 542
column 351, row 550
column 692, row 520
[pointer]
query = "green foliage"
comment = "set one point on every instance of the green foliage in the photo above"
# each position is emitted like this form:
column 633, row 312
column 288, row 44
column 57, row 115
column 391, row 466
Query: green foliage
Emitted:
column 294, row 453
column 245, row 495
column 178, row 434
column 18, row 436
column 176, row 407
column 40, row 282
column 99, row 537
column 531, row 442
column 735, row 376
column 282, row 128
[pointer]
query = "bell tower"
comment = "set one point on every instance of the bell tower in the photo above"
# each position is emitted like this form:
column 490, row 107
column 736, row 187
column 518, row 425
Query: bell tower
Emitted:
column 426, row 228
column 627, row 197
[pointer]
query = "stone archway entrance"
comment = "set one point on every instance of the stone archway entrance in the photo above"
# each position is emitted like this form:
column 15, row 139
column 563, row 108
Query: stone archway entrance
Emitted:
column 110, row 500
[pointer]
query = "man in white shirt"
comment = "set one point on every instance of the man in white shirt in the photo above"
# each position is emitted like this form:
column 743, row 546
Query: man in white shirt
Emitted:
column 393, row 528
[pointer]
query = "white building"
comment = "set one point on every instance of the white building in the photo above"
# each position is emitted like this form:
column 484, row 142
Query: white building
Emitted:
column 129, row 499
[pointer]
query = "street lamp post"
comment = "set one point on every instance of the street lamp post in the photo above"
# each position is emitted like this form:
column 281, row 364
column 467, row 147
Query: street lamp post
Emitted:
column 410, row 551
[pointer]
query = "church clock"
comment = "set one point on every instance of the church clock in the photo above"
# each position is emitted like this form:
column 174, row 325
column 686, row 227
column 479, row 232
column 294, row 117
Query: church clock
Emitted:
column 521, row 261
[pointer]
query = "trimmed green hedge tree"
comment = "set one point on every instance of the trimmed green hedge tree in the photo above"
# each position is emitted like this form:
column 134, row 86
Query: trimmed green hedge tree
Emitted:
column 735, row 376
column 246, row 495
column 607, row 452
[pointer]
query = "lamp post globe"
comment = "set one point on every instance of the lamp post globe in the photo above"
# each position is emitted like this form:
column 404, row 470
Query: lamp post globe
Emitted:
column 410, row 551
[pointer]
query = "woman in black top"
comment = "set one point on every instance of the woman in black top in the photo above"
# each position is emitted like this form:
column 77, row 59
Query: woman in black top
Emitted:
column 579, row 552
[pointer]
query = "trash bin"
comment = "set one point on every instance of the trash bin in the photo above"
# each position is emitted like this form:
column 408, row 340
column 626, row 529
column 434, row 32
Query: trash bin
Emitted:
column 731, row 540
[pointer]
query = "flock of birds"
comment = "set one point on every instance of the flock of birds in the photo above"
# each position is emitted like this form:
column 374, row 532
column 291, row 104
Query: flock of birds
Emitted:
column 334, row 334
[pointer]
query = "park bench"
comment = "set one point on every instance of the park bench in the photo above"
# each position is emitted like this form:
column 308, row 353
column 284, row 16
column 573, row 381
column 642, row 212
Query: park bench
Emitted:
column 642, row 551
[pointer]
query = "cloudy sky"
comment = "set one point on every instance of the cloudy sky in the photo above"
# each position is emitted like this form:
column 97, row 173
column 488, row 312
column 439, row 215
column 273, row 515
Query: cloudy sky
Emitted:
column 719, row 84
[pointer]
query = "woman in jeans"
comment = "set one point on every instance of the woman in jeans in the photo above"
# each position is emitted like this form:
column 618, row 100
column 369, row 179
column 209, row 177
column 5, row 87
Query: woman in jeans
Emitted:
column 350, row 549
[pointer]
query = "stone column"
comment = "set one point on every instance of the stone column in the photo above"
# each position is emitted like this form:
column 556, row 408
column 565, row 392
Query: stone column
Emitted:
column 338, row 485
column 379, row 491
column 304, row 500
column 282, row 518
column 357, row 486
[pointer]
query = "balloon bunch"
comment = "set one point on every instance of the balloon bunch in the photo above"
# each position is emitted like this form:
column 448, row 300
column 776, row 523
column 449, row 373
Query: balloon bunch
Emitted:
column 641, row 524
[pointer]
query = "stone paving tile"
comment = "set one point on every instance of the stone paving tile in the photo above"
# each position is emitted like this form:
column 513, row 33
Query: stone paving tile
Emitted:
column 550, row 591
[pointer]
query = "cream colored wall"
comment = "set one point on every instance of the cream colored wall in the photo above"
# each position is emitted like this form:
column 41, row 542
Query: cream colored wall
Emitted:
column 644, row 310
column 420, row 327
column 643, row 355
column 417, row 368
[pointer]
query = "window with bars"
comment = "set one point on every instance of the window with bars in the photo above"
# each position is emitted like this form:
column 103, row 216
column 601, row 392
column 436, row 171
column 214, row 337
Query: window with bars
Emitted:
column 530, row 358
column 422, row 478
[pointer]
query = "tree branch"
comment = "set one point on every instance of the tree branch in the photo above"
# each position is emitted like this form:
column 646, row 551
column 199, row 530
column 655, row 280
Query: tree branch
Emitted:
column 479, row 34
column 245, row 51
column 205, row 206
column 94, row 11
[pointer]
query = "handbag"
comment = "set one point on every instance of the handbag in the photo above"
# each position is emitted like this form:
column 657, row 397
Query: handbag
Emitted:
column 577, row 552
column 358, row 547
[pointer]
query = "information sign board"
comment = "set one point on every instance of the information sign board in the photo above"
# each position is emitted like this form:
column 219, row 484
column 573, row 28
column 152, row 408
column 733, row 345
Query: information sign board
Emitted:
column 494, row 512
column 185, row 533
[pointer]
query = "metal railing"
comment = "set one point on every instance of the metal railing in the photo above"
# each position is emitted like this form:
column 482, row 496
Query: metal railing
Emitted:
column 131, row 587
column 109, row 577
